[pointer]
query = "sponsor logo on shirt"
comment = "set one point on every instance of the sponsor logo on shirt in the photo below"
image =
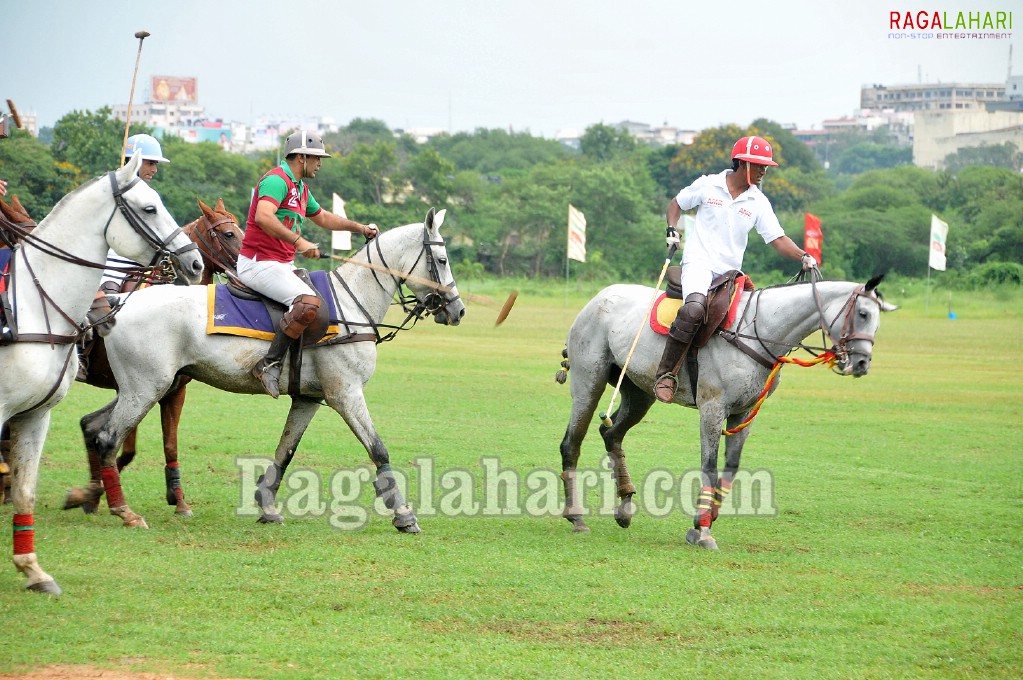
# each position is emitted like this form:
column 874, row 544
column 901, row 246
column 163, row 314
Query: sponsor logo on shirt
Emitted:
column 745, row 213
column 715, row 202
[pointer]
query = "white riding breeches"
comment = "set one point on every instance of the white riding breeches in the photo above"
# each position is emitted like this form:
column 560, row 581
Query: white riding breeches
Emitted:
column 276, row 280
column 695, row 279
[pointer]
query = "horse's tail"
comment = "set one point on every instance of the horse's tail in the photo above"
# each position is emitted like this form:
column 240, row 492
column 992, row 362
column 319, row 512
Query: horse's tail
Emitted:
column 562, row 375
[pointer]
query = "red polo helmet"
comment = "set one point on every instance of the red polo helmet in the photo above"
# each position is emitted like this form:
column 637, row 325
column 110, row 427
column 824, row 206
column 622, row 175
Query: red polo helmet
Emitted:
column 753, row 149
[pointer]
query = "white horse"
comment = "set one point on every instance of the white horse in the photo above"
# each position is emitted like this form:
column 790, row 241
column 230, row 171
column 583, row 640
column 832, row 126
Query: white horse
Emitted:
column 161, row 332
column 733, row 370
column 55, row 272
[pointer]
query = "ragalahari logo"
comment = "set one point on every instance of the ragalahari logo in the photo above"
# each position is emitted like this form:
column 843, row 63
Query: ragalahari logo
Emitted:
column 944, row 24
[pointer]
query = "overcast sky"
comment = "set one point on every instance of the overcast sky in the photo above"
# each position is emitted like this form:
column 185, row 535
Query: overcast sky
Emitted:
column 536, row 65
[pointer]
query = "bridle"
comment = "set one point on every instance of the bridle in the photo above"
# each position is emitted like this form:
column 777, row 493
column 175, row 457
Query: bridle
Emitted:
column 160, row 246
column 848, row 316
column 211, row 242
column 13, row 233
column 839, row 349
column 441, row 295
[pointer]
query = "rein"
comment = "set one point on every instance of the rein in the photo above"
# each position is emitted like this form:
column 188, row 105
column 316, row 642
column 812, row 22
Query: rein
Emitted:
column 834, row 356
column 414, row 308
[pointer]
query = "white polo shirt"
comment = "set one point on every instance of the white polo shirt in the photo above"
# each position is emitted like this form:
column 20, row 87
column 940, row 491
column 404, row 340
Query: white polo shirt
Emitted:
column 718, row 239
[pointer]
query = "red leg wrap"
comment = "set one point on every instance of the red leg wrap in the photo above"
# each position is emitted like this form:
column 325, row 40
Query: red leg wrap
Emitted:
column 172, row 465
column 112, row 485
column 703, row 505
column 24, row 535
column 720, row 493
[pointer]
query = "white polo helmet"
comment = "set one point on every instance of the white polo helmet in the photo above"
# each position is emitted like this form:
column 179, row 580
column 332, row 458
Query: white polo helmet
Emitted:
column 147, row 146
column 306, row 143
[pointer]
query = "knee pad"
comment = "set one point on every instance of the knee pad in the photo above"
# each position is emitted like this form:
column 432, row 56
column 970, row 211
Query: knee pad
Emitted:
column 689, row 318
column 301, row 313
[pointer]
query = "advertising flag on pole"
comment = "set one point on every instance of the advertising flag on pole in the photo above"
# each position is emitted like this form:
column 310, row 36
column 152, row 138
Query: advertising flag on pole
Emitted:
column 813, row 237
column 340, row 240
column 576, row 234
column 939, row 232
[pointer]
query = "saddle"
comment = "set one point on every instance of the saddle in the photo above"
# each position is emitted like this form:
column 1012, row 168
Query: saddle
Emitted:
column 722, row 301
column 313, row 333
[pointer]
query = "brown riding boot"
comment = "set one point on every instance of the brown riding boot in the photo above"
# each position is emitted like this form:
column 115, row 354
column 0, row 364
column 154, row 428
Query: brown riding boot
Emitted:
column 680, row 337
column 268, row 370
column 667, row 373
column 298, row 317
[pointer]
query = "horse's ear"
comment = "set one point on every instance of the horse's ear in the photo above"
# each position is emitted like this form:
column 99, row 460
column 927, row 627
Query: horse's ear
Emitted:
column 219, row 207
column 130, row 169
column 16, row 206
column 206, row 210
column 874, row 281
column 438, row 219
column 428, row 222
column 871, row 287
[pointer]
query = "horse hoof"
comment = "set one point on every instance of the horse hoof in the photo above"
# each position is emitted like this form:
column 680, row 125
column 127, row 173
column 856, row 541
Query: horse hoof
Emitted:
column 701, row 540
column 578, row 525
column 77, row 498
column 135, row 522
column 625, row 512
column 45, row 587
column 406, row 523
column 270, row 519
column 187, row 512
column 89, row 508
column 409, row 529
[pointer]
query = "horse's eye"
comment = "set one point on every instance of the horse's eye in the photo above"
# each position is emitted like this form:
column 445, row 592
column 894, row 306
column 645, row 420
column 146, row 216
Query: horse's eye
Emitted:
column 229, row 234
column 864, row 314
column 442, row 260
column 149, row 210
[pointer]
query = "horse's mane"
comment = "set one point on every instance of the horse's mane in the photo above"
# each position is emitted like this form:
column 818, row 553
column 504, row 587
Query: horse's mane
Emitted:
column 62, row 203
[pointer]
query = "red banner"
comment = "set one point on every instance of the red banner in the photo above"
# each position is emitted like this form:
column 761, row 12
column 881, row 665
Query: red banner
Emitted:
column 813, row 238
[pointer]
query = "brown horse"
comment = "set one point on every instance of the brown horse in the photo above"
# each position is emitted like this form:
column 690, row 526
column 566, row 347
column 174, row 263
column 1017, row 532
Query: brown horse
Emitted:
column 15, row 213
column 219, row 239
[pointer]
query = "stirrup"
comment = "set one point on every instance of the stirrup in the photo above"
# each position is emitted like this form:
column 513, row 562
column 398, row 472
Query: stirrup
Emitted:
column 83, row 370
column 662, row 383
column 269, row 374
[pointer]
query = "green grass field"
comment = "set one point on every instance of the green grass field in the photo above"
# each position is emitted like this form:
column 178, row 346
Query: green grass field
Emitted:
column 895, row 549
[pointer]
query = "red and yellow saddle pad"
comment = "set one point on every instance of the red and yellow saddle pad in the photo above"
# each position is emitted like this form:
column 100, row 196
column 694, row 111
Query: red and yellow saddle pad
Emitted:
column 230, row 315
column 665, row 309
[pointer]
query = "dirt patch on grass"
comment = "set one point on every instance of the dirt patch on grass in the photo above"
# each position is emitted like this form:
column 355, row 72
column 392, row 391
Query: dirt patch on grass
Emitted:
column 92, row 673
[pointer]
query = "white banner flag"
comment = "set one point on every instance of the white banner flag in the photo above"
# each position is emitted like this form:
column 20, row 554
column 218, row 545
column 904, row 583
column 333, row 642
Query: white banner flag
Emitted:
column 576, row 234
column 340, row 240
column 939, row 232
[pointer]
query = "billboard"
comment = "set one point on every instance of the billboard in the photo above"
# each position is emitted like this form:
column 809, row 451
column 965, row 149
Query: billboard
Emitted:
column 175, row 89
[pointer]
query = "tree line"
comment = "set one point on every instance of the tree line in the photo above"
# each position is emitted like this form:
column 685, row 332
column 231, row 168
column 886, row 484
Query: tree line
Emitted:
column 507, row 194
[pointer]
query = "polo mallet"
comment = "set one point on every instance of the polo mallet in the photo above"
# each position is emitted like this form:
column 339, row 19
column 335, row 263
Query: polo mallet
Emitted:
column 6, row 121
column 605, row 417
column 14, row 114
column 506, row 309
column 141, row 35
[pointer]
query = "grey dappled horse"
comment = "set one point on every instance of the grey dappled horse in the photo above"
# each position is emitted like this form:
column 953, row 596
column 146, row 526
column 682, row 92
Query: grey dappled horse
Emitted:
column 55, row 272
column 161, row 332
column 773, row 321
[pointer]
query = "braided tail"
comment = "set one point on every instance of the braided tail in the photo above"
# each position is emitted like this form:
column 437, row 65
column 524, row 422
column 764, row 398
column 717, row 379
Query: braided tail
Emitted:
column 562, row 375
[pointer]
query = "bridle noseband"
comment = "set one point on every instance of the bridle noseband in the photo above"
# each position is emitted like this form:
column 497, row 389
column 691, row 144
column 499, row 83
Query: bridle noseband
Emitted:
column 213, row 246
column 139, row 225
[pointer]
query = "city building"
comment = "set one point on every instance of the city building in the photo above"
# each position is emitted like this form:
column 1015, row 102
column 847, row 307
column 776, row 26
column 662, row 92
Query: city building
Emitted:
column 931, row 96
